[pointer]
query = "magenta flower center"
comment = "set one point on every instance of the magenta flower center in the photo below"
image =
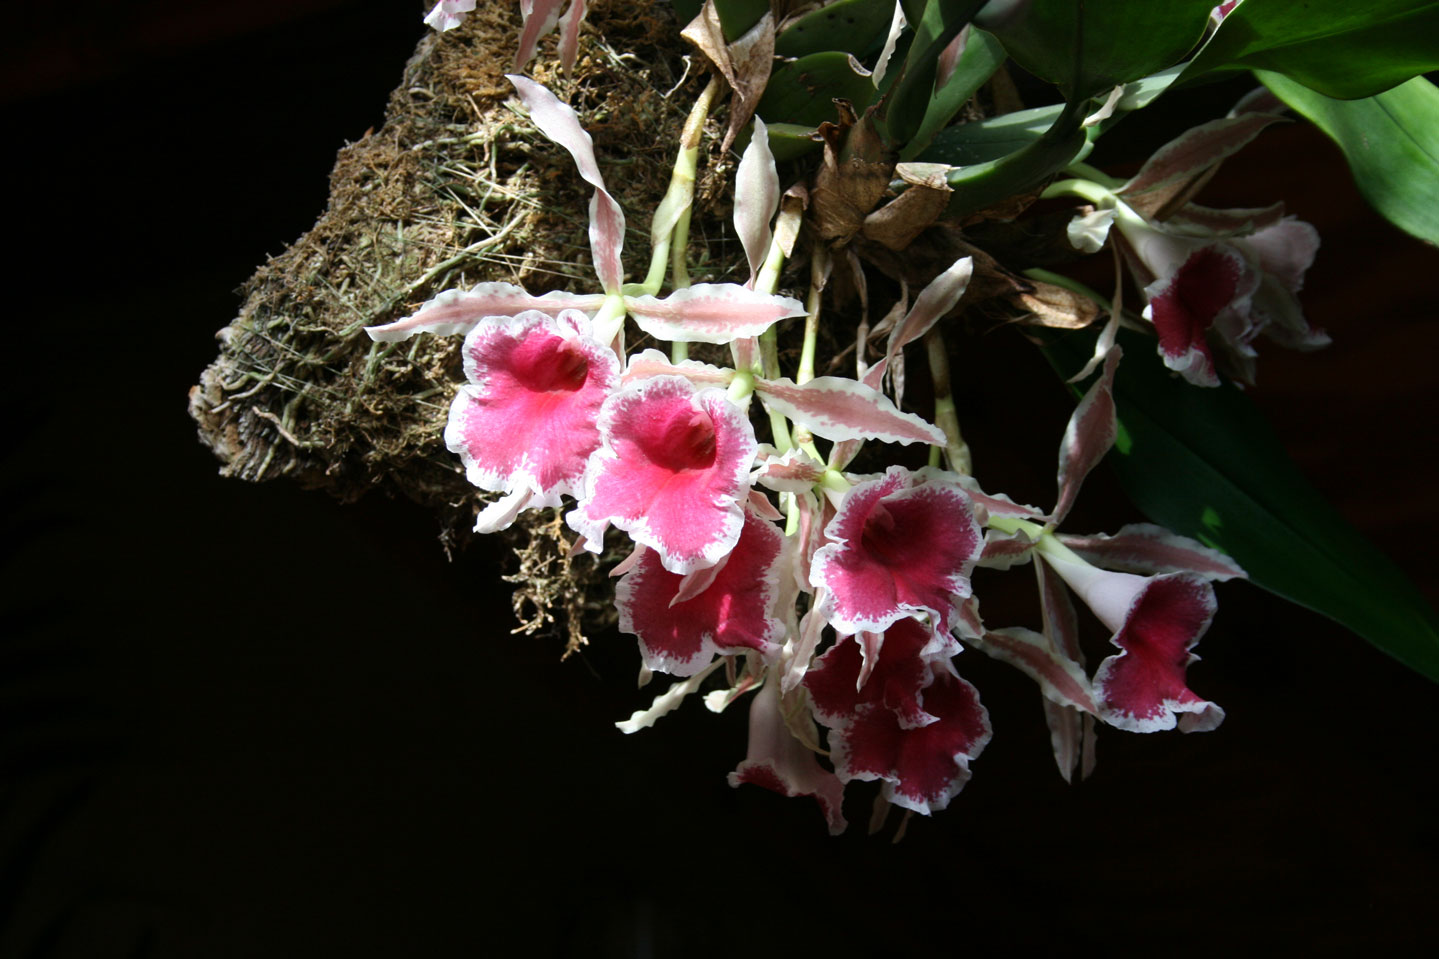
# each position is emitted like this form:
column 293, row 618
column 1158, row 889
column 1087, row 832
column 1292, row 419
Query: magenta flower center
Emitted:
column 549, row 364
column 685, row 441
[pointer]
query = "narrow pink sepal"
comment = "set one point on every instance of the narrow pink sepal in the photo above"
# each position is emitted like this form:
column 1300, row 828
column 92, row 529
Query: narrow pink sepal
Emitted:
column 1196, row 150
column 1059, row 677
column 999, row 504
column 711, row 313
column 798, row 654
column 839, row 408
column 1148, row 549
column 779, row 762
column 557, row 121
column 933, row 302
column 1072, row 739
column 756, row 198
column 570, row 34
column 901, row 545
column 731, row 612
column 794, row 472
column 458, row 311
column 923, row 767
column 673, row 472
column 537, row 19
column 1088, row 437
column 1005, row 550
column 527, row 418
column 1199, row 220
column 448, row 14
column 654, row 363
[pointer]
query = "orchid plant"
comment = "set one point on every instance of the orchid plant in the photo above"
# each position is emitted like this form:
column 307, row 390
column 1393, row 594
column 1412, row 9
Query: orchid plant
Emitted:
column 759, row 562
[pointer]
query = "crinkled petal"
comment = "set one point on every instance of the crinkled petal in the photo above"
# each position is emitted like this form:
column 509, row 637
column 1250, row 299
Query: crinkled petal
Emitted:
column 733, row 613
column 1184, row 305
column 527, row 418
column 845, row 678
column 458, row 311
column 794, row 472
column 923, row 767
column 779, row 762
column 570, row 34
column 673, row 472
column 538, row 18
column 711, row 313
column 1143, row 688
column 898, row 546
column 654, row 363
column 1060, row 678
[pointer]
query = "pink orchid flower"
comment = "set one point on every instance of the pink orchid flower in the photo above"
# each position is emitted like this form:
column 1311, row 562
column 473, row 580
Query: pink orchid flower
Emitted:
column 525, row 422
column 898, row 712
column 898, row 546
column 683, row 621
column 779, row 762
column 673, row 472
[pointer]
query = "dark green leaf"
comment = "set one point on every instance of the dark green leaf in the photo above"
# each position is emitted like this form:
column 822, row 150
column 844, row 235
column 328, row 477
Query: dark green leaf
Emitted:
column 853, row 26
column 1341, row 48
column 986, row 184
column 990, row 139
column 909, row 93
column 1391, row 142
column 982, row 56
column 1205, row 464
column 803, row 91
column 1086, row 47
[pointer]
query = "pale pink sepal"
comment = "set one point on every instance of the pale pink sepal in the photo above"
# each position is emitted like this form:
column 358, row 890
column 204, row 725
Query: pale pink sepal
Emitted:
column 448, row 14
column 673, row 472
column 682, row 625
column 898, row 546
column 1197, row 149
column 1148, row 549
column 794, row 472
column 527, row 417
column 1059, row 677
column 798, row 653
column 756, row 198
column 933, row 302
column 457, row 311
column 1005, row 550
column 779, row 762
column 1088, row 437
column 711, row 313
column 654, row 363
column 838, row 408
column 537, row 18
column 667, row 701
column 999, row 504
column 570, row 34
column 557, row 121
column 1071, row 731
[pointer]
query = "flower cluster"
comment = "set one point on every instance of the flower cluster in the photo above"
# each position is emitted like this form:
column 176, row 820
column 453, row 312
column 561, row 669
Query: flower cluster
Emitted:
column 836, row 601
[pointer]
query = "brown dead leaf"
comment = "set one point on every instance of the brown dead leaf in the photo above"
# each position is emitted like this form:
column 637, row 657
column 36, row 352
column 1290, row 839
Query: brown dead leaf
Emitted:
column 1057, row 308
column 745, row 64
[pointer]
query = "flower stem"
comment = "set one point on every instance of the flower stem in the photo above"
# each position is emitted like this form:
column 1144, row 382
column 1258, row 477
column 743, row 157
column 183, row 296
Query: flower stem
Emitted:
column 676, row 203
column 946, row 417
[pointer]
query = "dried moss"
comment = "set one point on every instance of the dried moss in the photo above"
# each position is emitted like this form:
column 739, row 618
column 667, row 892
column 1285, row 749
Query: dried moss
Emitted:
column 454, row 189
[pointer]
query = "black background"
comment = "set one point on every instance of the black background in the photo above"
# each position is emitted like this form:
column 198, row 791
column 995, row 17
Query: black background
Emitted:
column 247, row 721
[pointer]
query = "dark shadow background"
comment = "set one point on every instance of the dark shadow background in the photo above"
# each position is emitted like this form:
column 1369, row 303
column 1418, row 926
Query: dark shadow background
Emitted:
column 247, row 721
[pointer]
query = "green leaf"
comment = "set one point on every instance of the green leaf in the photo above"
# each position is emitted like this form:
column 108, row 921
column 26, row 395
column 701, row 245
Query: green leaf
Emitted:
column 1391, row 142
column 909, row 93
column 803, row 91
column 987, row 183
column 1342, row 48
column 1204, row 463
column 1086, row 47
column 980, row 141
column 852, row 26
column 982, row 56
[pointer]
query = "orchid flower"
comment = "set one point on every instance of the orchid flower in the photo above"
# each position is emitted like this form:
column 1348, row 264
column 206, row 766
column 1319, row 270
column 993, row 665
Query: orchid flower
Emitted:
column 1213, row 280
column 898, row 712
column 525, row 423
column 898, row 546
